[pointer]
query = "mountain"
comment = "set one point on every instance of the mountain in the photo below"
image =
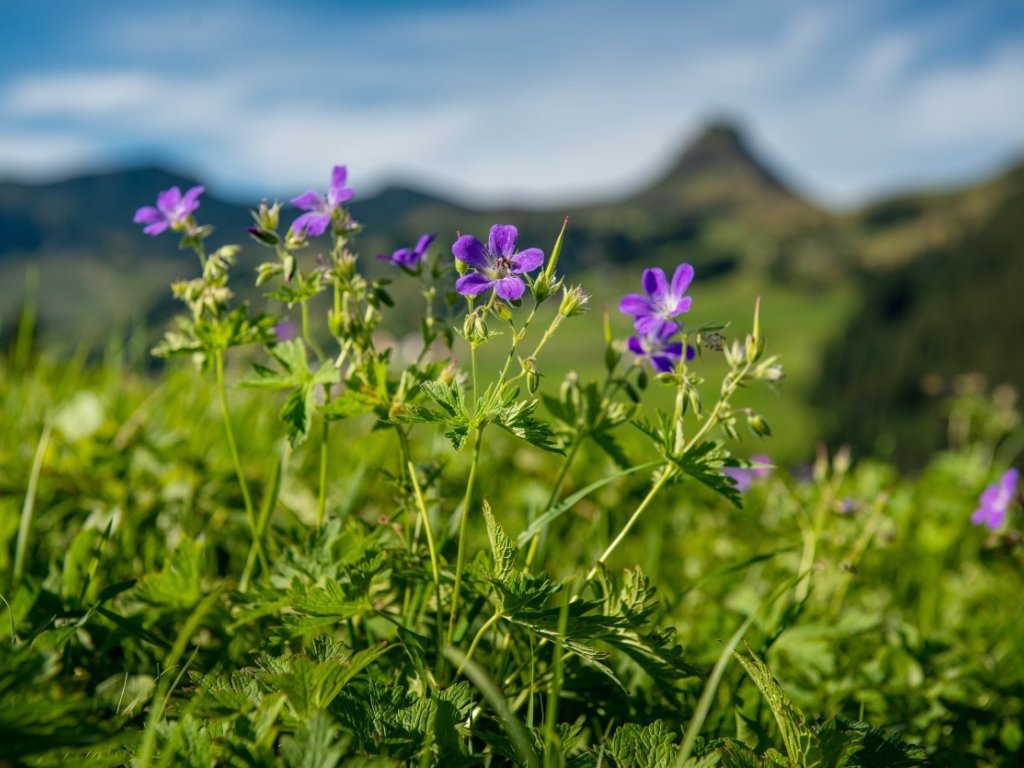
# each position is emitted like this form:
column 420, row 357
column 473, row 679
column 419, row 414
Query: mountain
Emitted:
column 719, row 206
column 718, row 202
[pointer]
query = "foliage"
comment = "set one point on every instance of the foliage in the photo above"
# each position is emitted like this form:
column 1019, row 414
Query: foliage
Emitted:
column 409, row 564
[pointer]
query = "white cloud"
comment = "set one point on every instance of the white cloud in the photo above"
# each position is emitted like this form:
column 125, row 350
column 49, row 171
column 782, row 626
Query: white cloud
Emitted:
column 536, row 115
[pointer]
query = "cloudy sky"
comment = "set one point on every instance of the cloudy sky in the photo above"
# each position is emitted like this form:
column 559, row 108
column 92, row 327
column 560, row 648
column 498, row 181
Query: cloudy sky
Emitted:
column 530, row 102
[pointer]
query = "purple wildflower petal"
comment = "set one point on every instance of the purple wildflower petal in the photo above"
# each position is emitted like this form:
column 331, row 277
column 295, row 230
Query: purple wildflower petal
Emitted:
column 509, row 288
column 502, row 240
column 424, row 243
column 681, row 280
column 156, row 227
column 469, row 250
column 683, row 305
column 635, row 345
column 148, row 215
column 313, row 223
column 762, row 465
column 167, row 201
column 991, row 517
column 309, row 201
column 691, row 352
column 648, row 324
column 338, row 193
column 635, row 304
column 662, row 363
column 190, row 200
column 675, row 349
column 655, row 284
column 665, row 331
column 741, row 477
column 527, row 261
column 473, row 283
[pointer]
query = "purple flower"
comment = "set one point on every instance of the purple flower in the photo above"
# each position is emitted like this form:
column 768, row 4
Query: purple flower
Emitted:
column 285, row 331
column 318, row 218
column 663, row 301
column 995, row 500
column 403, row 257
column 498, row 265
column 172, row 210
column 744, row 477
column 655, row 344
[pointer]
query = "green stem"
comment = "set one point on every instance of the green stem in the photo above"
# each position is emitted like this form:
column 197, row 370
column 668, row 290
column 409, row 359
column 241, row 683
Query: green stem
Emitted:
column 321, row 499
column 254, row 529
column 479, row 636
column 266, row 507
column 434, row 566
column 666, row 475
column 548, row 333
column 460, row 559
column 307, row 335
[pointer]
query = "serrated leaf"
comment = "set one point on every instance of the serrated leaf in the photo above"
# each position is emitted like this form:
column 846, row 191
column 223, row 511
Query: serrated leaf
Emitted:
column 314, row 745
column 704, row 463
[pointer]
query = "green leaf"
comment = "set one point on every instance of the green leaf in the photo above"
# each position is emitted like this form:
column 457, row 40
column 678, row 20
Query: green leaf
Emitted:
column 704, row 463
column 314, row 745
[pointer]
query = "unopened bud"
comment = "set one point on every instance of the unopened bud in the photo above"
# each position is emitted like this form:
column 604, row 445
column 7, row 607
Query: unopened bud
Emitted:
column 270, row 215
column 543, row 287
column 641, row 379
column 265, row 236
column 758, row 425
column 574, row 301
column 502, row 311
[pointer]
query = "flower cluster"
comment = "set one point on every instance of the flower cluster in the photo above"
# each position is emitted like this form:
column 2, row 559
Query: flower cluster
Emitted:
column 653, row 317
column 996, row 500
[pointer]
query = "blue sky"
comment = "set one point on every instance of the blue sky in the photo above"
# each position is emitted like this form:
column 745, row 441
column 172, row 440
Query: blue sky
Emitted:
column 493, row 101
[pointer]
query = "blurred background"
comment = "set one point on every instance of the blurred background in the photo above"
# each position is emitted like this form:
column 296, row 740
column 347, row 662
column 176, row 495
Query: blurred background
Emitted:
column 858, row 166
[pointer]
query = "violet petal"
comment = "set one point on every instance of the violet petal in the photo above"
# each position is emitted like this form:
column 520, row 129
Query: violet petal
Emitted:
column 473, row 283
column 469, row 250
column 502, row 240
column 510, row 288
column 528, row 260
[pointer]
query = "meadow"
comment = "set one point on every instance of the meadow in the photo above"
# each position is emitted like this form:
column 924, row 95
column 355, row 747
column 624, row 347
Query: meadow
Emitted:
column 293, row 545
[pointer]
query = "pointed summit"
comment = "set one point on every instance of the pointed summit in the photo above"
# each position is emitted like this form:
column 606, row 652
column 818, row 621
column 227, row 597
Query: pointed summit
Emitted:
column 718, row 174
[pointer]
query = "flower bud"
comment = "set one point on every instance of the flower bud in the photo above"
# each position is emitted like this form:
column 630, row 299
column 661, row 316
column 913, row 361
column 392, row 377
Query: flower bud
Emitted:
column 612, row 356
column 502, row 311
column 574, row 301
column 270, row 215
column 543, row 287
column 265, row 236
column 289, row 267
column 641, row 379
column 758, row 425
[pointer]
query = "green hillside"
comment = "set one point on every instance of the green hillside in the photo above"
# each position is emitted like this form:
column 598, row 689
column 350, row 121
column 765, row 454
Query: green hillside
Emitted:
column 718, row 207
